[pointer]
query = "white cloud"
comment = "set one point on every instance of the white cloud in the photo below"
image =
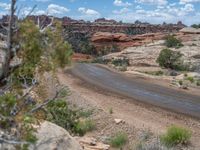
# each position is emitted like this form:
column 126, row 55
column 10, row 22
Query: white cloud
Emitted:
column 4, row 6
column 121, row 3
column 86, row 11
column 87, row 14
column 153, row 2
column 121, row 11
column 138, row 7
column 54, row 9
column 164, row 13
column 188, row 1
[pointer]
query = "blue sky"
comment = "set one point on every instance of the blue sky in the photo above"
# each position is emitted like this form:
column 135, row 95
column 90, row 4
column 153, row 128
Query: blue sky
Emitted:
column 153, row 11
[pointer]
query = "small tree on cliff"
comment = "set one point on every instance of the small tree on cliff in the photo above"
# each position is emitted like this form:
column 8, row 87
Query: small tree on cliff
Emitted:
column 57, row 47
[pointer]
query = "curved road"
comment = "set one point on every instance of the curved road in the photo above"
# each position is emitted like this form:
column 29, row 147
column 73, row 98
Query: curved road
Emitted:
column 138, row 89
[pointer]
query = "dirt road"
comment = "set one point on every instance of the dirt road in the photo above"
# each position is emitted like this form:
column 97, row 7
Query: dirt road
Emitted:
column 139, row 89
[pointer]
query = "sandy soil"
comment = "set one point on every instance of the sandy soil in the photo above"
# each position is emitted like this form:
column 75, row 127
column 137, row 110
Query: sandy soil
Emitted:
column 137, row 115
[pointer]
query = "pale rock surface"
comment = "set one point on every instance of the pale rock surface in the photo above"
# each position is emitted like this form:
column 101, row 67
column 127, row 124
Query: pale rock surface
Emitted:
column 53, row 137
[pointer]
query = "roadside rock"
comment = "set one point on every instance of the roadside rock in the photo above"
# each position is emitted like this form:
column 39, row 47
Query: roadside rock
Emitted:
column 118, row 121
column 91, row 144
column 51, row 136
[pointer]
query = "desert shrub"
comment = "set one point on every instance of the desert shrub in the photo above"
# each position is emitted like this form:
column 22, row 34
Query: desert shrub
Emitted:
column 119, row 140
column 7, row 102
column 191, row 79
column 84, row 126
column 120, row 62
column 27, row 129
column 180, row 82
column 176, row 135
column 195, row 26
column 171, row 41
column 155, row 73
column 198, row 83
column 171, row 59
column 85, row 113
column 60, row 114
column 100, row 60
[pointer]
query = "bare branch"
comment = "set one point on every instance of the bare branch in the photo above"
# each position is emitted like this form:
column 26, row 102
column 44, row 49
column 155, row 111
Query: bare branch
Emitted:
column 13, row 142
column 44, row 104
column 47, row 101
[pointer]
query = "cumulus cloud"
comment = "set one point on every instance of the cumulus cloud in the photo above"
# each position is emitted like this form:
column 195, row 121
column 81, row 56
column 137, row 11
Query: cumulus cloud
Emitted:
column 54, row 9
column 121, row 11
column 153, row 2
column 188, row 1
column 164, row 13
column 121, row 3
column 87, row 14
column 4, row 6
column 86, row 11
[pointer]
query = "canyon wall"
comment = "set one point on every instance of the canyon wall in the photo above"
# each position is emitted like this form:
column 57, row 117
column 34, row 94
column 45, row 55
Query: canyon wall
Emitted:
column 82, row 34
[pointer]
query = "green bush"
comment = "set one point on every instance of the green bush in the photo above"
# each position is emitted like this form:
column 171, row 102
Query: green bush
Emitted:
column 176, row 135
column 171, row 60
column 60, row 114
column 84, row 126
column 195, row 26
column 198, row 83
column 171, row 41
column 180, row 82
column 7, row 102
column 119, row 140
column 191, row 79
column 120, row 62
column 155, row 73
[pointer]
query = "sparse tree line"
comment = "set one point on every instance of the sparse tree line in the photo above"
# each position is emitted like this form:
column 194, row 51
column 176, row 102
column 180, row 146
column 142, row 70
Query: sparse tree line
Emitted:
column 197, row 26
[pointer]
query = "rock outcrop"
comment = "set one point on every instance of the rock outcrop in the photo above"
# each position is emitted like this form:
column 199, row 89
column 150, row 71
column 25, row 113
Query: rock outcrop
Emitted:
column 190, row 30
column 122, row 41
column 51, row 136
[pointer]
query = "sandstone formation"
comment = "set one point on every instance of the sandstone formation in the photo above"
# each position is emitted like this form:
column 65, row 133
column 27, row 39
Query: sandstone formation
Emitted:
column 190, row 30
column 122, row 41
column 51, row 136
column 146, row 55
column 80, row 33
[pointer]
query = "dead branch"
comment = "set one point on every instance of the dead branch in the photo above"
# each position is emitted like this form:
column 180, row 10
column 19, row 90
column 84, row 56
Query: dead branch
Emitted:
column 47, row 101
column 13, row 142
column 44, row 104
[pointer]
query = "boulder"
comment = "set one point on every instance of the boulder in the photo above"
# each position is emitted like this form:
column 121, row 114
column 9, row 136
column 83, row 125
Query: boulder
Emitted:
column 52, row 137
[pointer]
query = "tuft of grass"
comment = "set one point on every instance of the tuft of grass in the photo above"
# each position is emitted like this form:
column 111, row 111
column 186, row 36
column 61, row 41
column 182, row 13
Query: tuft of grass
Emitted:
column 111, row 110
column 119, row 140
column 176, row 135
column 86, row 113
column 84, row 126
